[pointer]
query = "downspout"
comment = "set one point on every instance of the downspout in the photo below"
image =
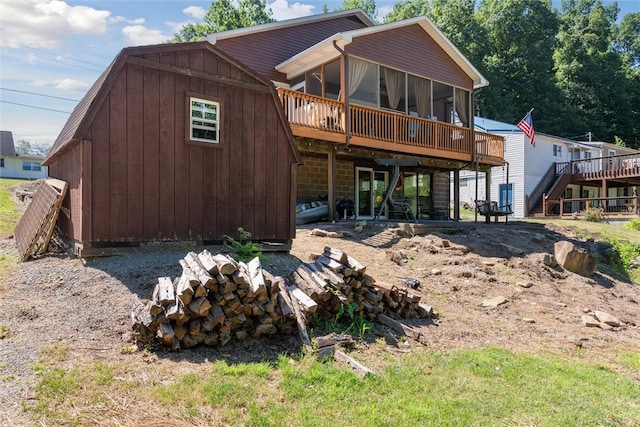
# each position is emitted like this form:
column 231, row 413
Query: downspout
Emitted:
column 347, row 110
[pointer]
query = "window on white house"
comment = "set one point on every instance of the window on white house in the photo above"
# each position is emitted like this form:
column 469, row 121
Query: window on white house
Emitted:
column 1, row 163
column 205, row 116
column 557, row 150
column 464, row 182
column 31, row 166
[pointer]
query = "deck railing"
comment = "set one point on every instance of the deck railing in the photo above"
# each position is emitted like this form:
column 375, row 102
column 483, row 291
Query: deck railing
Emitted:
column 611, row 167
column 322, row 114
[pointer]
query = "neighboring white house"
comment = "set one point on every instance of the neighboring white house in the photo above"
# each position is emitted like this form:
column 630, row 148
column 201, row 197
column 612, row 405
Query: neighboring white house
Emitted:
column 527, row 164
column 13, row 165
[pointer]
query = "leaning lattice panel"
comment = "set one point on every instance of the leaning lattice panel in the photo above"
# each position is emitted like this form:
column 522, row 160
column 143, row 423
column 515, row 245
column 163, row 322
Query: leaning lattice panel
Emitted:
column 36, row 226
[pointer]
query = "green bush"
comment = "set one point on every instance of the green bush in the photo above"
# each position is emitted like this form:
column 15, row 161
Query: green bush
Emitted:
column 243, row 247
column 592, row 214
column 634, row 224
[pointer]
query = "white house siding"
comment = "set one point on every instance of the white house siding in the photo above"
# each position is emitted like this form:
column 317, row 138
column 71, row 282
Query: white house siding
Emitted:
column 13, row 168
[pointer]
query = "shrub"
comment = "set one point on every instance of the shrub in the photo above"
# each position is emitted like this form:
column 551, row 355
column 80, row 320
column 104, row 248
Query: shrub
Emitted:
column 244, row 248
column 634, row 224
column 592, row 214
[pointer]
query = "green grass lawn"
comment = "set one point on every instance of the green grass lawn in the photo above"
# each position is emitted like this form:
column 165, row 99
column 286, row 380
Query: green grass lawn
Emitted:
column 9, row 217
column 488, row 386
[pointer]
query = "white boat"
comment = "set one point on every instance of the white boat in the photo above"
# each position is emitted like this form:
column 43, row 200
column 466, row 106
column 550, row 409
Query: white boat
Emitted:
column 311, row 212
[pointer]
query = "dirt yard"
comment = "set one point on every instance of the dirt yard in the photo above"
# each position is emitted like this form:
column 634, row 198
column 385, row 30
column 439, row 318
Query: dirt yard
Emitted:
column 84, row 304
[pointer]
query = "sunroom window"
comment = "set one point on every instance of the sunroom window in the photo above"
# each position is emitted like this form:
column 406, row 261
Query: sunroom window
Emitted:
column 205, row 116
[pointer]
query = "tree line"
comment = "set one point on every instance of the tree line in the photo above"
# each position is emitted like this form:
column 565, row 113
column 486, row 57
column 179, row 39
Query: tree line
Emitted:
column 578, row 66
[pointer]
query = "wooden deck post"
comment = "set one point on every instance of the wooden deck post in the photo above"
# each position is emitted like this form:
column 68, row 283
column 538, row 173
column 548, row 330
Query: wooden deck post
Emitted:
column 544, row 204
column 331, row 171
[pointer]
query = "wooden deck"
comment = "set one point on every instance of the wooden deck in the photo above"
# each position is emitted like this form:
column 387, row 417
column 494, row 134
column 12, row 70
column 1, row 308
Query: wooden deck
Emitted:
column 315, row 117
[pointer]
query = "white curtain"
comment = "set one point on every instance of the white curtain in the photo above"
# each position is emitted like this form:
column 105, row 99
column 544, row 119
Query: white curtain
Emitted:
column 357, row 71
column 423, row 97
column 462, row 106
column 393, row 79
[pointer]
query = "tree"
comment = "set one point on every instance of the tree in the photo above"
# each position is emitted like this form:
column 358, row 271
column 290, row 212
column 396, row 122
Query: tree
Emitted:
column 521, row 38
column 223, row 15
column 408, row 9
column 26, row 148
column 367, row 6
column 590, row 72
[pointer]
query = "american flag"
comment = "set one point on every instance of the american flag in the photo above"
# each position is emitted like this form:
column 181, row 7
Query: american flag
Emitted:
column 526, row 126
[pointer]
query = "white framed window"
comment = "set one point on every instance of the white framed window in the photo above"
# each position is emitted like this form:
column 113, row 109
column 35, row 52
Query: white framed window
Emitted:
column 30, row 166
column 204, row 123
column 1, row 163
column 557, row 150
column 611, row 153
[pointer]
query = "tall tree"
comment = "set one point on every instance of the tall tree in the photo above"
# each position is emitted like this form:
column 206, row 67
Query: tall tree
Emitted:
column 223, row 15
column 519, row 67
column 367, row 6
column 406, row 9
column 628, row 44
column 590, row 72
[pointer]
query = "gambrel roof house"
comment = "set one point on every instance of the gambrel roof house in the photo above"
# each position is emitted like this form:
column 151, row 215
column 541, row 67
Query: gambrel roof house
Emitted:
column 191, row 141
column 18, row 166
column 554, row 166
column 359, row 95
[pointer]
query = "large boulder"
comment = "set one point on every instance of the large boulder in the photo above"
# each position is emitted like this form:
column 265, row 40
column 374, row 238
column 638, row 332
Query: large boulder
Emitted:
column 574, row 259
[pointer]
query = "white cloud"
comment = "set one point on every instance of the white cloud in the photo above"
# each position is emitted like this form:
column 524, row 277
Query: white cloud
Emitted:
column 283, row 10
column 139, row 35
column 47, row 23
column 195, row 12
column 383, row 11
column 138, row 21
column 71, row 84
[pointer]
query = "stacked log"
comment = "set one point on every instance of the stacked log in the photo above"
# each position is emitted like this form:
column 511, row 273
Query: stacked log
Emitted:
column 333, row 279
column 217, row 299
column 214, row 300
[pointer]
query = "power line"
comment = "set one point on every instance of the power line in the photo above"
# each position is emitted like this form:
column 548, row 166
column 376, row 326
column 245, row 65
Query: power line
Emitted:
column 66, row 57
column 33, row 106
column 39, row 94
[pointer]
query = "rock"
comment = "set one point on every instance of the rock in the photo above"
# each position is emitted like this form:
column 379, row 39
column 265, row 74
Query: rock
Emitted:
column 590, row 321
column 436, row 271
column 528, row 320
column 489, row 263
column 539, row 237
column 318, row 232
column 525, row 284
column 512, row 249
column 335, row 234
column 358, row 229
column 362, row 224
column 494, row 302
column 466, row 273
column 399, row 257
column 606, row 318
column 549, row 260
column 574, row 259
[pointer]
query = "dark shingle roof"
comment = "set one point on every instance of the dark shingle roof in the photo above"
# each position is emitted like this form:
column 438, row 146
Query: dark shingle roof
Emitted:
column 7, row 148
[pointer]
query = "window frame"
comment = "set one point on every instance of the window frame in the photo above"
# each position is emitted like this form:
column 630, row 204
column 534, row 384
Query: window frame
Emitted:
column 557, row 150
column 211, row 100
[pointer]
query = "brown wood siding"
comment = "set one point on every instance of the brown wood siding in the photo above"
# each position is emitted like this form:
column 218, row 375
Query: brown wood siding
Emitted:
column 262, row 51
column 70, row 219
column 412, row 50
column 137, row 178
column 165, row 203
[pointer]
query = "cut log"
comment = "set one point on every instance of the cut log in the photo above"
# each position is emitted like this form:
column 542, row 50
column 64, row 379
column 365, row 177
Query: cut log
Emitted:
column 203, row 275
column 336, row 255
column 358, row 269
column 184, row 290
column 264, row 329
column 331, row 264
column 226, row 265
column 309, row 287
column 256, row 279
column 300, row 318
column 166, row 294
column 358, row 367
column 166, row 335
column 399, row 327
column 284, row 300
column 307, row 305
column 207, row 261
column 176, row 313
column 200, row 306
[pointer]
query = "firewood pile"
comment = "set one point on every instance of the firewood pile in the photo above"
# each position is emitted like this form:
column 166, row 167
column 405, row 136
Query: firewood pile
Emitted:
column 217, row 299
column 334, row 279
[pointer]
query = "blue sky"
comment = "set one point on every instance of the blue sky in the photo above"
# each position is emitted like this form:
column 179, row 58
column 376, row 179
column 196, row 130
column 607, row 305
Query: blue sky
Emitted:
column 58, row 48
